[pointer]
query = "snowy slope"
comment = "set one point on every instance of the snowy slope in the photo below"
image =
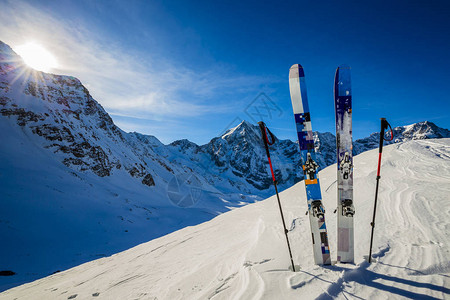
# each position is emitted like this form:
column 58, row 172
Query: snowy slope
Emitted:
column 53, row 218
column 242, row 255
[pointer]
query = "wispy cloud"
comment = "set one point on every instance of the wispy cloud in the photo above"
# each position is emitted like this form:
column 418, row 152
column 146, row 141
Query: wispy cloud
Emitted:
column 124, row 81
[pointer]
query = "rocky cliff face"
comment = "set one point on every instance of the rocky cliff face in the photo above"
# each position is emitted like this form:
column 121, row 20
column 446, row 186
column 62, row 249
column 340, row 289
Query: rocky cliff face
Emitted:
column 71, row 123
column 238, row 156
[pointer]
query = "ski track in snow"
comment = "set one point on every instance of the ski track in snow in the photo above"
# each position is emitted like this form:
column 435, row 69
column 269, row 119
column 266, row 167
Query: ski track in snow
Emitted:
column 242, row 254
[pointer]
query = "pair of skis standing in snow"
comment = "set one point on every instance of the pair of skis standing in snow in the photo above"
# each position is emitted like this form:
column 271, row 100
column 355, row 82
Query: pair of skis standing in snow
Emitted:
column 345, row 209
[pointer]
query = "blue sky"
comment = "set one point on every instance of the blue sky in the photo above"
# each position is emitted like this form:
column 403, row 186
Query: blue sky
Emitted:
column 190, row 69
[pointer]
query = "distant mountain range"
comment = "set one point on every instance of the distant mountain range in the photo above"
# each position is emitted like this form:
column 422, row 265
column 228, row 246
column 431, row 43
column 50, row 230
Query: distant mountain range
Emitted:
column 82, row 135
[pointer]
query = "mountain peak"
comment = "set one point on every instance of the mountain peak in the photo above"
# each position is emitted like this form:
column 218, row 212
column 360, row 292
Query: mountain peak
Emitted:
column 242, row 129
column 245, row 123
column 7, row 55
column 184, row 144
column 4, row 48
column 419, row 131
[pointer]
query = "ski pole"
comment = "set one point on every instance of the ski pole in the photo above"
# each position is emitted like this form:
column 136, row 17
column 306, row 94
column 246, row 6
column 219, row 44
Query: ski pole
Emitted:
column 263, row 128
column 384, row 126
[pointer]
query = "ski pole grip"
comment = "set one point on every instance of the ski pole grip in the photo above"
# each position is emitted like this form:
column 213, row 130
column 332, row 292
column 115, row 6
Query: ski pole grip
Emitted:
column 383, row 128
column 262, row 126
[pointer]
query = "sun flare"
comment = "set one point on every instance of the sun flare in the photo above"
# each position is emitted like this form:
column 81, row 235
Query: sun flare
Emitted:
column 37, row 57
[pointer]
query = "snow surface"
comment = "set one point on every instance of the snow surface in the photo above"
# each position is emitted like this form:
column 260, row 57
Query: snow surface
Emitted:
column 242, row 254
column 53, row 217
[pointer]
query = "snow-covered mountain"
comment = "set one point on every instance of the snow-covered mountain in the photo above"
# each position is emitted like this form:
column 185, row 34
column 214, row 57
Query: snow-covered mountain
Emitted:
column 242, row 254
column 80, row 133
column 75, row 184
column 71, row 123
column 417, row 131
column 83, row 136
column 238, row 153
column 239, row 156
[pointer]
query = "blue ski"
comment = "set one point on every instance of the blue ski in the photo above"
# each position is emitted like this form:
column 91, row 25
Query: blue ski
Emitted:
column 346, row 210
column 316, row 210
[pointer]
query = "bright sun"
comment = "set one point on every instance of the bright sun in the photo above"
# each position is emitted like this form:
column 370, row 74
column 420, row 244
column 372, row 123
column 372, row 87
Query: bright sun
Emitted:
column 37, row 57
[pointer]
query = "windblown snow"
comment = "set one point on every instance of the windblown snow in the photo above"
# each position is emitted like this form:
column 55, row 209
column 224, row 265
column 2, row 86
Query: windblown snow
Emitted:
column 242, row 254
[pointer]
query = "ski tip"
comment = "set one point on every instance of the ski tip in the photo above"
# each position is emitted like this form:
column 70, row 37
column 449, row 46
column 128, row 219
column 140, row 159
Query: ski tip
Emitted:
column 296, row 66
column 342, row 81
column 296, row 71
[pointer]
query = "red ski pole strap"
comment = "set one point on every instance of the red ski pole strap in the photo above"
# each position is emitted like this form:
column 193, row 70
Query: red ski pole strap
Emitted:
column 392, row 133
column 272, row 137
column 262, row 127
column 264, row 130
